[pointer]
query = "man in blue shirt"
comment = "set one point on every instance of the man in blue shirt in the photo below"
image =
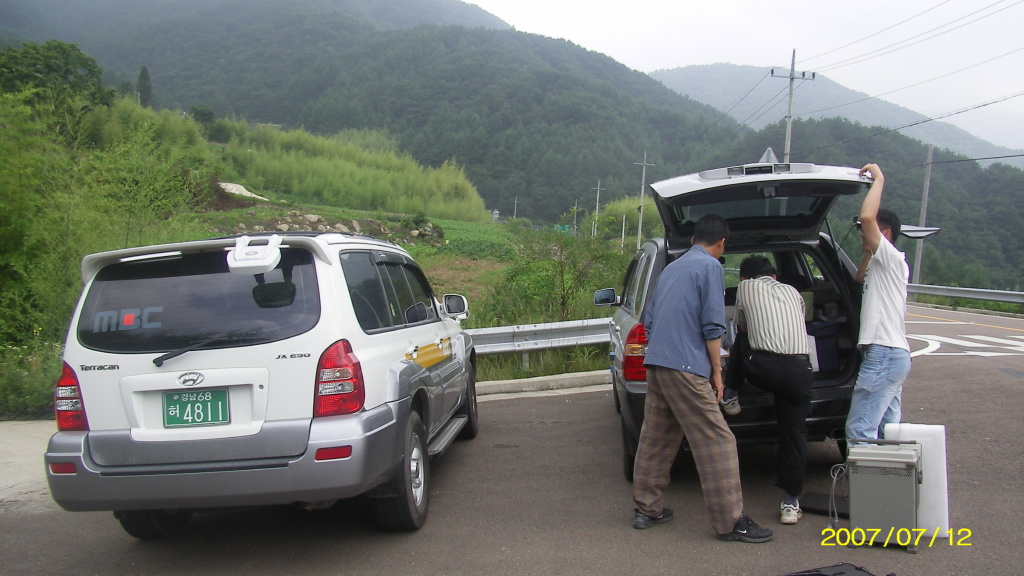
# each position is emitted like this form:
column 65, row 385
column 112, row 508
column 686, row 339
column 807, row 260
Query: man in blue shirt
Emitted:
column 685, row 322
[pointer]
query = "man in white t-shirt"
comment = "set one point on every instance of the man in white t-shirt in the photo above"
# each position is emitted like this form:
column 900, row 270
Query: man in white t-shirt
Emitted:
column 883, row 336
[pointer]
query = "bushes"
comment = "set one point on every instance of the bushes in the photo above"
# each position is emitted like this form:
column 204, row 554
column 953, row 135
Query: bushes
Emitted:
column 27, row 376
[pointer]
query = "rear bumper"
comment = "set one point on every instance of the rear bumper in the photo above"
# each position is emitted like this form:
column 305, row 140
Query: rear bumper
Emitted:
column 373, row 436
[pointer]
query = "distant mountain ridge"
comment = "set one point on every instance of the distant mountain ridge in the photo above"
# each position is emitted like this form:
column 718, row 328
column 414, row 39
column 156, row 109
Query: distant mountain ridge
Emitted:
column 723, row 85
column 533, row 121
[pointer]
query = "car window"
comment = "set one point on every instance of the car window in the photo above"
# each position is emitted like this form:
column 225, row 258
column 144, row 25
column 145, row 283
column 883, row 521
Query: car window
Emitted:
column 387, row 291
column 628, row 279
column 160, row 304
column 634, row 282
column 424, row 306
column 643, row 272
column 366, row 291
column 403, row 293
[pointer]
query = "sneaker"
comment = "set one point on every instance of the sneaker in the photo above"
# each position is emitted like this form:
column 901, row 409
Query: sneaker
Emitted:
column 731, row 407
column 642, row 521
column 791, row 513
column 746, row 530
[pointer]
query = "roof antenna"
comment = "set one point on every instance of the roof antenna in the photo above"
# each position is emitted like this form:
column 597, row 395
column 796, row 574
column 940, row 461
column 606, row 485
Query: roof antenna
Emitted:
column 768, row 157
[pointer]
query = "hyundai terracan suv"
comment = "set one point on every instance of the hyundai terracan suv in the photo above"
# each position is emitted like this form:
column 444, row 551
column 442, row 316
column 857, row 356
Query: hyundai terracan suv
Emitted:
column 262, row 370
column 777, row 210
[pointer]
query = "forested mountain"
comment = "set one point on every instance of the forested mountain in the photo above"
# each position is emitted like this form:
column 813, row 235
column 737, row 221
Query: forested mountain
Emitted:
column 534, row 121
column 755, row 98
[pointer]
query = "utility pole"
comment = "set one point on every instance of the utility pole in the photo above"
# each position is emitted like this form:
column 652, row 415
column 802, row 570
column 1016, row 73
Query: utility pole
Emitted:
column 575, row 210
column 789, row 114
column 924, row 211
column 643, row 184
column 622, row 242
column 515, row 206
column 597, row 209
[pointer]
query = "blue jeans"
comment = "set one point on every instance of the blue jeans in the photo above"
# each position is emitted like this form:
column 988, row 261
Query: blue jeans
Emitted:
column 876, row 396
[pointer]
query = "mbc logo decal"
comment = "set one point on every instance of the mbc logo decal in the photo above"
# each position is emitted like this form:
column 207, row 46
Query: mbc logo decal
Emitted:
column 130, row 319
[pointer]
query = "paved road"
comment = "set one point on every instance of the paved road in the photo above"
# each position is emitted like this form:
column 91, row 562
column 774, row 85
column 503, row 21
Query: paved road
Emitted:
column 540, row 491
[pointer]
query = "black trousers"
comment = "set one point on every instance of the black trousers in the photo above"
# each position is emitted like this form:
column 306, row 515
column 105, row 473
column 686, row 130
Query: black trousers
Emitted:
column 789, row 378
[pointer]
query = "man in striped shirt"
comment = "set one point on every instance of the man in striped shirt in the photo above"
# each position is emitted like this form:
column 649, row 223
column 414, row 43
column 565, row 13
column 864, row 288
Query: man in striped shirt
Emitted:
column 771, row 352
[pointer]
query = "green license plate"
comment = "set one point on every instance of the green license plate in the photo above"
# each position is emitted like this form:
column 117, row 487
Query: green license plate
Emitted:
column 206, row 407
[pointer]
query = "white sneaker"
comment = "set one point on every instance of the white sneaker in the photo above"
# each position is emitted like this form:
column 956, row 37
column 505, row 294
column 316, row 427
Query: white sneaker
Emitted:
column 791, row 514
column 731, row 407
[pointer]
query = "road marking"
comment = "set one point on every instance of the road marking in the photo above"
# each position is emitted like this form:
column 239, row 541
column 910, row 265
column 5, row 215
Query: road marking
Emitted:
column 955, row 341
column 944, row 321
column 933, row 343
column 938, row 322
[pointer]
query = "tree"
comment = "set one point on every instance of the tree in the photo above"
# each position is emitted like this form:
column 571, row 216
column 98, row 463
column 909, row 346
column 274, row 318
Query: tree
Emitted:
column 202, row 114
column 65, row 84
column 144, row 87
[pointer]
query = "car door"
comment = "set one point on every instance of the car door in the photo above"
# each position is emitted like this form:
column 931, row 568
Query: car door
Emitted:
column 428, row 347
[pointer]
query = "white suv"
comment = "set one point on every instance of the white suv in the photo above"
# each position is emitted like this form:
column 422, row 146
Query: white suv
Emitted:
column 262, row 370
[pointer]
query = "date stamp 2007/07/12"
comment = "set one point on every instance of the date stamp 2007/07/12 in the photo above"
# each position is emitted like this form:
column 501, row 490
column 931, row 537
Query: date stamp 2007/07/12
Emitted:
column 895, row 537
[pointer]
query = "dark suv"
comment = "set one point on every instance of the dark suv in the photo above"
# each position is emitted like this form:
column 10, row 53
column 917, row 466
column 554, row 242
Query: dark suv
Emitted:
column 774, row 209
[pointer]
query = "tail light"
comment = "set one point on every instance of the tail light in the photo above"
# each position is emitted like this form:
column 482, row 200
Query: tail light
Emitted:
column 633, row 354
column 339, row 382
column 68, row 408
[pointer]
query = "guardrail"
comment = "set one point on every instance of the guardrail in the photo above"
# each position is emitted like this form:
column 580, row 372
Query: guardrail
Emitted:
column 528, row 338
column 971, row 293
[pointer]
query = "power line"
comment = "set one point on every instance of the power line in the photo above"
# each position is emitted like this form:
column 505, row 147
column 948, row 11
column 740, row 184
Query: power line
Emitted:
column 976, row 159
column 954, row 113
column 874, row 53
column 742, row 98
column 882, row 30
column 913, row 85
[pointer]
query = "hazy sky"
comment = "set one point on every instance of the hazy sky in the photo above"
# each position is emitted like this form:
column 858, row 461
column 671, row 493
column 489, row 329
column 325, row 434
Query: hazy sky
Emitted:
column 935, row 57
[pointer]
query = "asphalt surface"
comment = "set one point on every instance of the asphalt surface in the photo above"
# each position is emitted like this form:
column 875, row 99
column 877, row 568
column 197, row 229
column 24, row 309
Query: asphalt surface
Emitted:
column 23, row 443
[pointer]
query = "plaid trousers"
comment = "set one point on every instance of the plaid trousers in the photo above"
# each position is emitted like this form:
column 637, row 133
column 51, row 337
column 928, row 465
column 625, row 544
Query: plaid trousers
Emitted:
column 678, row 405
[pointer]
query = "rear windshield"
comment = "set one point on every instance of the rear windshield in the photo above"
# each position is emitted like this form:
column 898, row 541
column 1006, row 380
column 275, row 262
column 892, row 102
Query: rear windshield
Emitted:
column 163, row 304
column 795, row 208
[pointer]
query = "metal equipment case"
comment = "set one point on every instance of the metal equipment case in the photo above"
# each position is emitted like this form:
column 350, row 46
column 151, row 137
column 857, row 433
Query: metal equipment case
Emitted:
column 885, row 489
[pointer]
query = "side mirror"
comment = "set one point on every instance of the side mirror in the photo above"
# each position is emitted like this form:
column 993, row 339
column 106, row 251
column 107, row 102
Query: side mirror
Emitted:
column 274, row 294
column 455, row 305
column 606, row 297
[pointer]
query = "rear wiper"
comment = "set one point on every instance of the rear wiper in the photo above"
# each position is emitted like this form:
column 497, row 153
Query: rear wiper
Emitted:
column 159, row 361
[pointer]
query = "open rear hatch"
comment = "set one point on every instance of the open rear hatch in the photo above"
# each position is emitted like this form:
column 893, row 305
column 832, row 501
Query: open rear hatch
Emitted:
column 763, row 201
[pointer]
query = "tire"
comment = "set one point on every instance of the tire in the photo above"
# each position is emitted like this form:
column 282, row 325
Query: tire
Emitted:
column 615, row 394
column 628, row 458
column 844, row 448
column 150, row 524
column 407, row 509
column 469, row 408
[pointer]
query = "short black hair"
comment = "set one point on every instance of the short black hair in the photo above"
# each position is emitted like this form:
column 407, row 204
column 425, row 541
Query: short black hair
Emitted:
column 888, row 219
column 756, row 265
column 710, row 229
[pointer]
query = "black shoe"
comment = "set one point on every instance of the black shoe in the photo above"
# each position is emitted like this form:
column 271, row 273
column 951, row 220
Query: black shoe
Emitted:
column 746, row 530
column 642, row 521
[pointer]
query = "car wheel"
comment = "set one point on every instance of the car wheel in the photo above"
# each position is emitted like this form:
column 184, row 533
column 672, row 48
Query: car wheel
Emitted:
column 469, row 408
column 615, row 394
column 407, row 509
column 150, row 524
column 628, row 457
